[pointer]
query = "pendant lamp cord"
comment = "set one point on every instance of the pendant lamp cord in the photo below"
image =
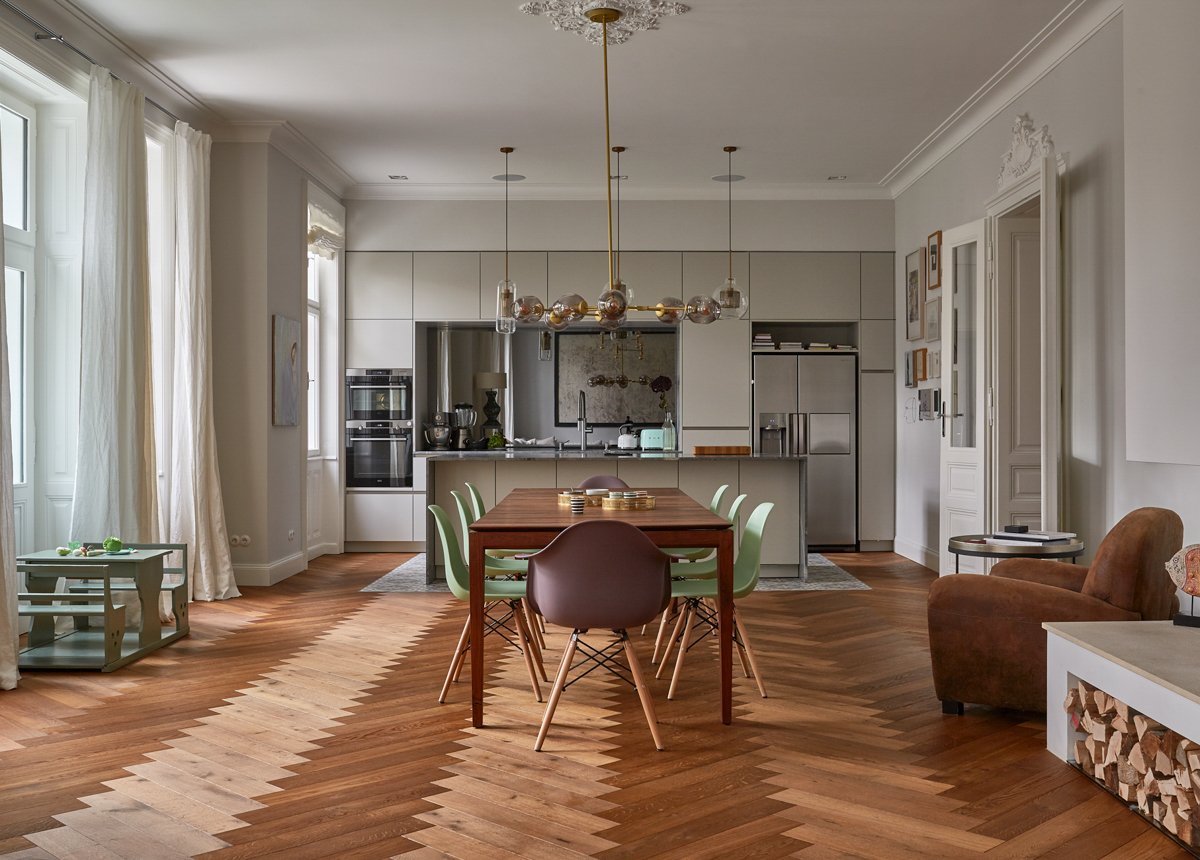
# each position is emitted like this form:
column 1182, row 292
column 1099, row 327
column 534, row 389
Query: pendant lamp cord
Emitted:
column 730, row 184
column 608, row 159
column 618, row 215
column 506, row 216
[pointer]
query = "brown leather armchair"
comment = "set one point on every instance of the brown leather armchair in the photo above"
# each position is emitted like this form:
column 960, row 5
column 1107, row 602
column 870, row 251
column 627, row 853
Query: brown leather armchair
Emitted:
column 985, row 632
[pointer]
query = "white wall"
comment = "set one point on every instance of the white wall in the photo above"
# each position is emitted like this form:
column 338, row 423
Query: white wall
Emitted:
column 1081, row 100
column 1162, row 209
column 579, row 225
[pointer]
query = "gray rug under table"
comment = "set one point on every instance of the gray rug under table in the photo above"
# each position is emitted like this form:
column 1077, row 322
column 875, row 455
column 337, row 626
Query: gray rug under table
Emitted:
column 823, row 575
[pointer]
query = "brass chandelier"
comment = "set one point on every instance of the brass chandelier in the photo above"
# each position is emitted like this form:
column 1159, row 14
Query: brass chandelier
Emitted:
column 613, row 304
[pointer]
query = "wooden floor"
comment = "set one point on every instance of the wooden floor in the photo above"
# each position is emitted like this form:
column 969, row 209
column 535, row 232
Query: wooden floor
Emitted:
column 301, row 721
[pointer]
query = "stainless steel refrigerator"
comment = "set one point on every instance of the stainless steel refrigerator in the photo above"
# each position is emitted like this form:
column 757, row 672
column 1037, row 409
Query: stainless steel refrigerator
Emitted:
column 807, row 404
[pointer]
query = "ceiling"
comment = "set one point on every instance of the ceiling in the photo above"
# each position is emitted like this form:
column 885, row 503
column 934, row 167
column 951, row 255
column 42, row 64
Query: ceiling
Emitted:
column 432, row 89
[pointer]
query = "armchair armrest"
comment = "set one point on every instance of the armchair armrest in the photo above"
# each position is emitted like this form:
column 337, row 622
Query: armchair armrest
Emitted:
column 1044, row 571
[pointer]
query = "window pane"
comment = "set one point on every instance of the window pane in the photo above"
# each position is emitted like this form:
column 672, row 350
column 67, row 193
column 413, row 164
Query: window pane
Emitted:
column 314, row 277
column 14, row 311
column 14, row 149
column 963, row 349
column 314, row 353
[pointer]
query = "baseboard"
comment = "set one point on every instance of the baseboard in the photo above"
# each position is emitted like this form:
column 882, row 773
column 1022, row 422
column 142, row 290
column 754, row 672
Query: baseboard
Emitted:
column 320, row 549
column 919, row 553
column 269, row 574
column 385, row 546
column 876, row 546
column 779, row 571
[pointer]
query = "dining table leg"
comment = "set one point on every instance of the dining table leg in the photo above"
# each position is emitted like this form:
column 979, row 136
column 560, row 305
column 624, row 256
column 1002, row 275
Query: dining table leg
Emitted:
column 476, row 603
column 725, row 621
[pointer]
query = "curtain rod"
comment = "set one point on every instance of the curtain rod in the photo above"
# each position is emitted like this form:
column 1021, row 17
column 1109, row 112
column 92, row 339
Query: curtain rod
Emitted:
column 55, row 37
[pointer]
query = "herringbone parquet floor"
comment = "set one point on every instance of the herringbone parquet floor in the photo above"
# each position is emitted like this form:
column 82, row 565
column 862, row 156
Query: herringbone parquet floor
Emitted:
column 301, row 721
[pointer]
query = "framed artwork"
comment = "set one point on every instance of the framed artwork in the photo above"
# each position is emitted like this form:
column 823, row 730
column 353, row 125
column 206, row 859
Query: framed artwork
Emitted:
column 933, row 319
column 909, row 379
column 914, row 294
column 933, row 364
column 935, row 260
column 925, row 398
column 579, row 359
column 285, row 372
column 919, row 366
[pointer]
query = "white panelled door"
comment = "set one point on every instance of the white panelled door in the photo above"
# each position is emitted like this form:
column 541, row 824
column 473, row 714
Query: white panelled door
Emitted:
column 964, row 407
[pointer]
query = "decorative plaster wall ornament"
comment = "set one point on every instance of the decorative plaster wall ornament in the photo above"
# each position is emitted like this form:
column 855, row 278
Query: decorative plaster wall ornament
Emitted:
column 1027, row 149
column 636, row 15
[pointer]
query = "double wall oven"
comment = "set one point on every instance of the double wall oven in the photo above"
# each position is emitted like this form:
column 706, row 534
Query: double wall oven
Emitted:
column 379, row 435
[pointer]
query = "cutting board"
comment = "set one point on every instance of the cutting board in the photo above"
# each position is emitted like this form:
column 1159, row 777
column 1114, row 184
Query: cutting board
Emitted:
column 721, row 450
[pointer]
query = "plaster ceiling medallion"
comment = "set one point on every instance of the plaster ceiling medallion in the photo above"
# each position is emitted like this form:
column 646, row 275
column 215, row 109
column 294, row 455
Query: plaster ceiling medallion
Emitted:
column 636, row 15
column 1028, row 148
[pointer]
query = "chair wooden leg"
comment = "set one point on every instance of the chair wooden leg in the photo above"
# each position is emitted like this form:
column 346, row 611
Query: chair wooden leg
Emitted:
column 533, row 640
column 666, row 658
column 683, row 646
column 635, row 668
column 559, row 680
column 456, row 662
column 526, row 646
column 741, row 628
column 741, row 652
column 662, row 626
column 532, row 620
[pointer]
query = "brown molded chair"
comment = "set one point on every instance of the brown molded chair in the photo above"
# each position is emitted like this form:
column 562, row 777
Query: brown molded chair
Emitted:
column 602, row 482
column 985, row 632
column 605, row 574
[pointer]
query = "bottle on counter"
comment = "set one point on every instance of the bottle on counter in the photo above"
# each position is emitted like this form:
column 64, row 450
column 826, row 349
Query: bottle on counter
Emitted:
column 668, row 431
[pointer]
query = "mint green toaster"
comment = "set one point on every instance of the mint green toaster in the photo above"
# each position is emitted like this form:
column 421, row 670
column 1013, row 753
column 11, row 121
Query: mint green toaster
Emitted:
column 652, row 439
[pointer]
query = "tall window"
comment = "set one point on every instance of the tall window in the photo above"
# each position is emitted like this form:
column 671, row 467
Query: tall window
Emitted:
column 15, row 126
column 314, row 354
column 14, row 310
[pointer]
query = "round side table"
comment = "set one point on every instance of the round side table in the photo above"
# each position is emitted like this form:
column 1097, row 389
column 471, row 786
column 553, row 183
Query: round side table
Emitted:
column 962, row 545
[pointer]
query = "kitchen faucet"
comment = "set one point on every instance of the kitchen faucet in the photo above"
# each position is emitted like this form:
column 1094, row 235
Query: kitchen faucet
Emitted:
column 581, row 422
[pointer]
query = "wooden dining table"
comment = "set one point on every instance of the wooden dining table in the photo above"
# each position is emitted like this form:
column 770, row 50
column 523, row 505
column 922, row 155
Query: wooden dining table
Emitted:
column 532, row 518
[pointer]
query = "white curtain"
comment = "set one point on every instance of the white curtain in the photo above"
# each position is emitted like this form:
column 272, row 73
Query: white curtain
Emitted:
column 115, row 483
column 197, row 514
column 9, row 585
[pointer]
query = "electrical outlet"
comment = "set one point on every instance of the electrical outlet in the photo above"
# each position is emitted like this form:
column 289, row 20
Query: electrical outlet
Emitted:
column 291, row 534
column 245, row 540
column 235, row 540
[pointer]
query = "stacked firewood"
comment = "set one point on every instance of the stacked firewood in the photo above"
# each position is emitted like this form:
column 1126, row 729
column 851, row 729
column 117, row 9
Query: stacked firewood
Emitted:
column 1140, row 760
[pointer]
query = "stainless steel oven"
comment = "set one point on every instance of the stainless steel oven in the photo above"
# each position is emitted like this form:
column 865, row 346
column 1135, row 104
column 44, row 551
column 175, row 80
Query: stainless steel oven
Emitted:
column 379, row 453
column 378, row 394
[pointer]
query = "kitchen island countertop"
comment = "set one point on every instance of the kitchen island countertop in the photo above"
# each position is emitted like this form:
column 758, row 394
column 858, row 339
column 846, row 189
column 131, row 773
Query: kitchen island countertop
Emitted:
column 591, row 454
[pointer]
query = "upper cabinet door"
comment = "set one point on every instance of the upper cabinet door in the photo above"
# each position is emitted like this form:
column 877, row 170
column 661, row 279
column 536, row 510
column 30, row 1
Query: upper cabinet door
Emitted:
column 582, row 272
column 804, row 286
column 879, row 286
column 714, row 375
column 446, row 285
column 526, row 269
column 379, row 285
column 652, row 275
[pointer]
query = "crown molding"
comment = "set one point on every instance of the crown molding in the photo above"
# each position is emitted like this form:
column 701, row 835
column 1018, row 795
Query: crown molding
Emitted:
column 39, row 71
column 548, row 191
column 1070, row 29
column 282, row 135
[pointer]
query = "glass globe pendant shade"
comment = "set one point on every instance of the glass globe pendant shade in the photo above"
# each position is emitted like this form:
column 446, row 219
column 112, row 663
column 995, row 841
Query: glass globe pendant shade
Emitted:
column 735, row 303
column 570, row 308
column 554, row 321
column 528, row 310
column 610, row 309
column 506, row 291
column 624, row 289
column 703, row 310
column 669, row 310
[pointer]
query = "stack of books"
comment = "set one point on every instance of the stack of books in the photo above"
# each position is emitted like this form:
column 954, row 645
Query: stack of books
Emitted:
column 815, row 345
column 791, row 345
column 763, row 341
column 1027, row 538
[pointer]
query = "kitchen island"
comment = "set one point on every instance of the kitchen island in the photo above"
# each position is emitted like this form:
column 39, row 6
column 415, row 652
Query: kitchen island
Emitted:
column 763, row 478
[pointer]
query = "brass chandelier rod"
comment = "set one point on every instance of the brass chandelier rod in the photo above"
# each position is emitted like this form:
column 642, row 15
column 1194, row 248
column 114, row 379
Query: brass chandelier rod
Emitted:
column 604, row 17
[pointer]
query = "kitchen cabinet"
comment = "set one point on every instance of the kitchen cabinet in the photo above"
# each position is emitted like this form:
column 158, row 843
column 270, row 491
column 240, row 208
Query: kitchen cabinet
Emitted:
column 420, row 514
column 582, row 272
column 714, row 375
column 877, row 345
column 379, row 285
column 379, row 343
column 877, row 463
column 649, row 473
column 804, row 286
column 775, row 481
column 878, row 288
column 526, row 269
column 652, row 275
column 690, row 437
column 511, row 475
column 379, row 517
column 446, row 285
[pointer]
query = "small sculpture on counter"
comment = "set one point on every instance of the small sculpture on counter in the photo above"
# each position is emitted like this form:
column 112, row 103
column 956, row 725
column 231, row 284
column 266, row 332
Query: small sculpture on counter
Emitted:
column 1184, row 569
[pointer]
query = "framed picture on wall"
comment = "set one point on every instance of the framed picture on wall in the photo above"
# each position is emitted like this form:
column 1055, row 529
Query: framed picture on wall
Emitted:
column 909, row 380
column 914, row 294
column 933, row 364
column 285, row 372
column 925, row 399
column 935, row 260
column 933, row 319
column 919, row 364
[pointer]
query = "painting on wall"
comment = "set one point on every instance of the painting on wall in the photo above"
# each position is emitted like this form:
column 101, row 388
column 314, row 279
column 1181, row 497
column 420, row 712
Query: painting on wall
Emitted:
column 934, row 364
column 285, row 372
column 933, row 319
column 914, row 294
column 919, row 364
column 935, row 260
column 644, row 361
column 910, row 380
column 925, row 399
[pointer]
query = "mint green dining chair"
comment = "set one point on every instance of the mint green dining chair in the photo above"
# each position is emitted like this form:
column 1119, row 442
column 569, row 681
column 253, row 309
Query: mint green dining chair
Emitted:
column 706, row 569
column 479, row 510
column 698, row 553
column 510, row 594
column 695, row 593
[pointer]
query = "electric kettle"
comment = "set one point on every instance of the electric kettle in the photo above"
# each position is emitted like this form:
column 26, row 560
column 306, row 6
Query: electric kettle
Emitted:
column 628, row 438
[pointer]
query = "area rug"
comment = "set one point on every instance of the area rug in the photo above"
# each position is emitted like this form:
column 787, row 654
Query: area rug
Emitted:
column 823, row 575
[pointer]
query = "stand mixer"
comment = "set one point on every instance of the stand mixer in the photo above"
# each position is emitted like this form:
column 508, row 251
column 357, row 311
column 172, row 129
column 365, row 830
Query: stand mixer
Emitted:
column 465, row 417
column 440, row 433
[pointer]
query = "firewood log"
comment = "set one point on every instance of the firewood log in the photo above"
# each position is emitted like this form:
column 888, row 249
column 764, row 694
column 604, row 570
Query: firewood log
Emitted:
column 1184, row 747
column 1193, row 760
column 1143, row 801
column 1110, row 777
column 1150, row 784
column 1083, row 756
column 1164, row 764
column 1157, row 810
column 1151, row 739
column 1122, row 710
column 1141, row 724
column 1167, row 786
column 1126, row 775
column 1127, row 793
column 1183, row 777
column 1185, row 798
column 1122, row 725
column 1186, row 832
column 1170, row 821
column 1137, row 759
column 1170, row 743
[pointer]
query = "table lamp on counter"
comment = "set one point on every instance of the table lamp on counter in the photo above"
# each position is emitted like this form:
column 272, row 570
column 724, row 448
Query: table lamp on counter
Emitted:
column 490, row 383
